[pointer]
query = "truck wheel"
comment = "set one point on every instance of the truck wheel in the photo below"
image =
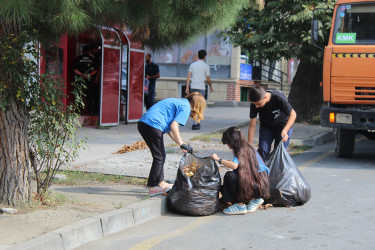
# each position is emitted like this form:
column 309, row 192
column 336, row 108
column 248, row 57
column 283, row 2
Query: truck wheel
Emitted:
column 345, row 139
column 369, row 135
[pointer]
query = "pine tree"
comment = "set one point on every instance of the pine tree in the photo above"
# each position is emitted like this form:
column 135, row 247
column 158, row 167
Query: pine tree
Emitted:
column 157, row 24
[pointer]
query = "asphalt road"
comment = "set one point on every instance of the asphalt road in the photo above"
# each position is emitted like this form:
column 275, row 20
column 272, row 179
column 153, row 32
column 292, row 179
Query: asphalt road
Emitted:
column 339, row 215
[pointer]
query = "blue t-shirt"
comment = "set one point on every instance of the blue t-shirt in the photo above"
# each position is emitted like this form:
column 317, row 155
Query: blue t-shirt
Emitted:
column 163, row 113
column 262, row 166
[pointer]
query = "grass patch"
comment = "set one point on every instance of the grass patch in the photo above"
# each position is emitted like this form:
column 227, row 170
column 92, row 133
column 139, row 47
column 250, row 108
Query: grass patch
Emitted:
column 118, row 205
column 207, row 137
column 171, row 150
column 79, row 177
column 172, row 145
column 295, row 149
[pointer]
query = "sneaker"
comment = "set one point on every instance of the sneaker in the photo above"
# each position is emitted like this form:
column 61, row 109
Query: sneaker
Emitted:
column 254, row 204
column 157, row 190
column 235, row 209
column 196, row 127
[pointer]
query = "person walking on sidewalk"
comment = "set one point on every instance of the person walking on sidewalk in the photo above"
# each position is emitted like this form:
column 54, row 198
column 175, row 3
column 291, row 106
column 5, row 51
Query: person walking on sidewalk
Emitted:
column 152, row 73
column 248, row 182
column 199, row 72
column 165, row 117
column 276, row 117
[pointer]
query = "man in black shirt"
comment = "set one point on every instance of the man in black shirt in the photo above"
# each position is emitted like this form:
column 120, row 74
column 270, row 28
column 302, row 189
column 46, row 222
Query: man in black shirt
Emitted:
column 97, row 62
column 276, row 117
column 152, row 73
column 84, row 66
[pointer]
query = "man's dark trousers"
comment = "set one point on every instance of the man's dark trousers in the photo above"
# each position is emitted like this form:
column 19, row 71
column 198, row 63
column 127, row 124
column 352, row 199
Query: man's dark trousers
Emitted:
column 267, row 136
column 149, row 98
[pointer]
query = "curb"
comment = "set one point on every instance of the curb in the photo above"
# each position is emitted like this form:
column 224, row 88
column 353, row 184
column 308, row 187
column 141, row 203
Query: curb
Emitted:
column 314, row 140
column 95, row 228
column 101, row 225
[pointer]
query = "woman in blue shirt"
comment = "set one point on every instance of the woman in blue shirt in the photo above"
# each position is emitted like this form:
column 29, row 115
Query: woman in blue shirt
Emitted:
column 165, row 117
column 247, row 185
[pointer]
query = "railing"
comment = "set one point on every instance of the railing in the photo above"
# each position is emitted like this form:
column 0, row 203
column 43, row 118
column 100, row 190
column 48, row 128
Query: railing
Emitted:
column 277, row 76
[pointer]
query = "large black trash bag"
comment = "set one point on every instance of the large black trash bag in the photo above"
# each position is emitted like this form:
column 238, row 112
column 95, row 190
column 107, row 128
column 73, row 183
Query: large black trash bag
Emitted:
column 287, row 185
column 199, row 194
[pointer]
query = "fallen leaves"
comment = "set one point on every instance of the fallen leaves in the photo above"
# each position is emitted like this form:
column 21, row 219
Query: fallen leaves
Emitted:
column 265, row 207
column 135, row 146
column 191, row 169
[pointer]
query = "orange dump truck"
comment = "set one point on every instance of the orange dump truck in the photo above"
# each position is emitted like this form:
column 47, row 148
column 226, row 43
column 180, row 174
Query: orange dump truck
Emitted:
column 349, row 73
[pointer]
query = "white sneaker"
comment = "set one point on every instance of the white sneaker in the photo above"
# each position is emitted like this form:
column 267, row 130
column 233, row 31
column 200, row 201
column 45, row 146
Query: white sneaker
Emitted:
column 235, row 209
column 254, row 204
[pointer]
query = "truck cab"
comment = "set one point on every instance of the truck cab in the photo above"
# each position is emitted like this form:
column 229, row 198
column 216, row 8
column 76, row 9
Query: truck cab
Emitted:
column 349, row 74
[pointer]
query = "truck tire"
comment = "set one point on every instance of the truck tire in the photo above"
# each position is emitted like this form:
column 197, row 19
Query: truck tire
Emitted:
column 345, row 139
column 369, row 135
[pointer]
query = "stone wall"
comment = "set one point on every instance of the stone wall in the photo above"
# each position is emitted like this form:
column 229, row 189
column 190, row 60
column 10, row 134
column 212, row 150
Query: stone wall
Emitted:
column 224, row 89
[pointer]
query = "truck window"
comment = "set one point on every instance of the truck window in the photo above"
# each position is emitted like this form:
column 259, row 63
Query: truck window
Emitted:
column 355, row 24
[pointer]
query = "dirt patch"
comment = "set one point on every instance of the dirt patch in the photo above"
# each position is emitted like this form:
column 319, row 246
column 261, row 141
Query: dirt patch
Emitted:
column 80, row 202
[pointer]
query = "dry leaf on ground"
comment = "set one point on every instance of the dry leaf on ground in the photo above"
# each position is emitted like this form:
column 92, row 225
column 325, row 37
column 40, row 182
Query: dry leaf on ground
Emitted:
column 265, row 207
column 135, row 146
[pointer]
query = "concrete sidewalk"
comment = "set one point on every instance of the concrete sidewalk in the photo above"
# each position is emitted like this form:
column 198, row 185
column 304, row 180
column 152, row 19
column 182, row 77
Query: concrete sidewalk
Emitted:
column 102, row 143
column 99, row 157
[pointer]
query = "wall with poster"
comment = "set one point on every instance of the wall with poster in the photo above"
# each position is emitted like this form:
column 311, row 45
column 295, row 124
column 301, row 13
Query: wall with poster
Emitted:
column 175, row 62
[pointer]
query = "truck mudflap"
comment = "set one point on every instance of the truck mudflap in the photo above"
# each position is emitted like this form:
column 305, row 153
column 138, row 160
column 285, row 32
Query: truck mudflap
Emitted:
column 353, row 119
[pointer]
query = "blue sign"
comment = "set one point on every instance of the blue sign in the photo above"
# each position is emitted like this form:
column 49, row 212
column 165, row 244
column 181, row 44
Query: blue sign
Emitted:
column 246, row 72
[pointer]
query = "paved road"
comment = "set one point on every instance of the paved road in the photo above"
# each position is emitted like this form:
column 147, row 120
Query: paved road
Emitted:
column 340, row 214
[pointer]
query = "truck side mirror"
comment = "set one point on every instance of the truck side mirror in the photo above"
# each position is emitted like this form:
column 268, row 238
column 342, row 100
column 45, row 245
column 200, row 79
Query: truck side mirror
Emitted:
column 315, row 33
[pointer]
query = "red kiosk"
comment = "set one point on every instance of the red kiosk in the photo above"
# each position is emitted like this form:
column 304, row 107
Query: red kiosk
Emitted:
column 121, row 72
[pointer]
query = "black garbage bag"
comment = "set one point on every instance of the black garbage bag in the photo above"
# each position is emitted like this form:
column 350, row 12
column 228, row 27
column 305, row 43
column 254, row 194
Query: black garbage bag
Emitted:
column 287, row 185
column 199, row 194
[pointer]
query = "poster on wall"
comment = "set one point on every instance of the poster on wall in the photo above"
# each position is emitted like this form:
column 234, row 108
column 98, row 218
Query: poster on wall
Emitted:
column 246, row 72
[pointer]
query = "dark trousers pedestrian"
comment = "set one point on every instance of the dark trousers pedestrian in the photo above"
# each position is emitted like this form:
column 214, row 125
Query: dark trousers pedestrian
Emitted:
column 267, row 136
column 149, row 98
column 154, row 140
column 89, row 97
column 96, row 98
column 229, row 189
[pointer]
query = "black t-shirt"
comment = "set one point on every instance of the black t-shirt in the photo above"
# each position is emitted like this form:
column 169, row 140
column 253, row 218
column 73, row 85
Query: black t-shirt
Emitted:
column 84, row 63
column 151, row 70
column 275, row 113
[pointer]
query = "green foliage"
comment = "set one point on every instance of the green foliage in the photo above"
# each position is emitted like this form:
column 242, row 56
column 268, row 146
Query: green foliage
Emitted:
column 178, row 21
column 282, row 29
column 52, row 132
column 53, row 125
column 18, row 70
column 157, row 24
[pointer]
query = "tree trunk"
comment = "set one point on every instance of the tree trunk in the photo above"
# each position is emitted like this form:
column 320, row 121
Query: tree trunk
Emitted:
column 306, row 94
column 14, row 155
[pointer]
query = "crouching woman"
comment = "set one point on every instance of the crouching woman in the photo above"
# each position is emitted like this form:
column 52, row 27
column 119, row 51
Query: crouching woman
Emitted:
column 247, row 185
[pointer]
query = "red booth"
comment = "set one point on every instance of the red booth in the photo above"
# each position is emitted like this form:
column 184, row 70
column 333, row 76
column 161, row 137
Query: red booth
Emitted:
column 121, row 73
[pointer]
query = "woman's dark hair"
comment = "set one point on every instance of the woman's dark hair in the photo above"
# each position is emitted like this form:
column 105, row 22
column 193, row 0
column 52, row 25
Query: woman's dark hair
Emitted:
column 248, row 166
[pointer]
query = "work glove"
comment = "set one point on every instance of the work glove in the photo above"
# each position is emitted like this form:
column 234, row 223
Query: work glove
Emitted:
column 187, row 147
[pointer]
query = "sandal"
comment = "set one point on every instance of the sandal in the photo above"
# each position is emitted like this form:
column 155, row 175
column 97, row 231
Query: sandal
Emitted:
column 164, row 184
column 157, row 190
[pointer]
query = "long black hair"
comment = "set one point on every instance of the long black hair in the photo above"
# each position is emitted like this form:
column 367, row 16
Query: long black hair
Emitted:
column 248, row 166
